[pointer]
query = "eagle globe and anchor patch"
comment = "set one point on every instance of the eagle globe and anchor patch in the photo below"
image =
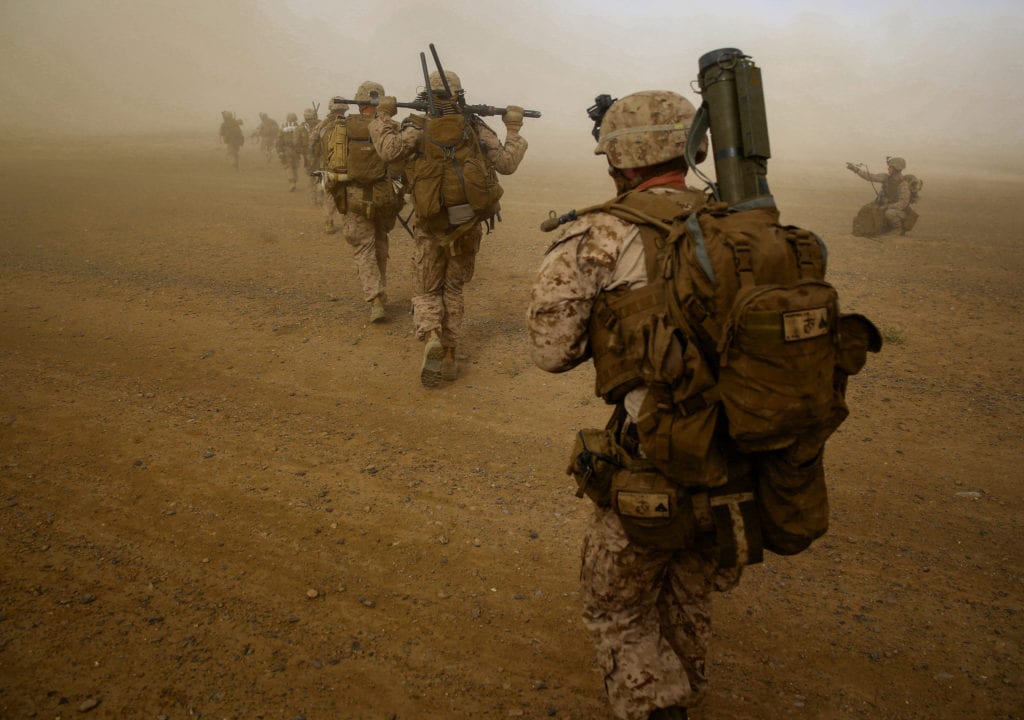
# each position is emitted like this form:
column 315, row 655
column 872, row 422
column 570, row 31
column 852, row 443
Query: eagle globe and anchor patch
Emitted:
column 647, row 505
column 805, row 324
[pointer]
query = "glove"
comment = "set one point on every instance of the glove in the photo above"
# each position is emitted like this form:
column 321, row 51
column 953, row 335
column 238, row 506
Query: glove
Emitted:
column 851, row 166
column 387, row 106
column 513, row 118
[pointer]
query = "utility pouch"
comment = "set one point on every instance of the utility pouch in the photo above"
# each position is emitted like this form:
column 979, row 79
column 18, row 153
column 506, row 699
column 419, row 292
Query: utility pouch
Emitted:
column 595, row 458
column 792, row 499
column 730, row 514
column 460, row 214
column 654, row 511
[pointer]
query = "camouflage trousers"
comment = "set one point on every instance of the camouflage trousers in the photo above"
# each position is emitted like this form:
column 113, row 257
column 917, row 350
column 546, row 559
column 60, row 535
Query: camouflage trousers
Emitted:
column 894, row 218
column 232, row 151
column 290, row 163
column 370, row 250
column 438, row 279
column 649, row 612
column 316, row 190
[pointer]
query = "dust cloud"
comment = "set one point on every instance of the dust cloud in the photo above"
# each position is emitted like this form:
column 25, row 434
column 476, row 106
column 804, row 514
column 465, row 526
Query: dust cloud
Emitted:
column 930, row 81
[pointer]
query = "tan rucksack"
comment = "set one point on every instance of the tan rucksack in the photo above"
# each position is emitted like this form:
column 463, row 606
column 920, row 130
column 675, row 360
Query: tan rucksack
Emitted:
column 453, row 183
column 350, row 152
column 747, row 340
column 335, row 147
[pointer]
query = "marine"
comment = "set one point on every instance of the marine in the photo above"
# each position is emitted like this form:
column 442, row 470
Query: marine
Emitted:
column 448, row 231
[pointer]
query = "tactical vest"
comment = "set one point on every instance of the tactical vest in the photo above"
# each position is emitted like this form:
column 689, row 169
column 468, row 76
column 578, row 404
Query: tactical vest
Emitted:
column 891, row 188
column 617, row 316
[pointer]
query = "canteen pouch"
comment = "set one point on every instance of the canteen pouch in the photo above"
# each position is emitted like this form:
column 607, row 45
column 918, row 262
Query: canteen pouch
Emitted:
column 594, row 460
column 792, row 500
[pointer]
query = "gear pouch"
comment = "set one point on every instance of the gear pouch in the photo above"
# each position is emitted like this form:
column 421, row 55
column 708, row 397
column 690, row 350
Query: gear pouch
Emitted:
column 655, row 512
column 594, row 460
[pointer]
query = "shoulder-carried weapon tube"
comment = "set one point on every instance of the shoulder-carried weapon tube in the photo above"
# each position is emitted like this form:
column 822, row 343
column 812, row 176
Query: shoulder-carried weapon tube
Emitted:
column 734, row 110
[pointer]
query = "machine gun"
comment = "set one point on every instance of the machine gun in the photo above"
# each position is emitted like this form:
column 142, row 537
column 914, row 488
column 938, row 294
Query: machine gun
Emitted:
column 424, row 101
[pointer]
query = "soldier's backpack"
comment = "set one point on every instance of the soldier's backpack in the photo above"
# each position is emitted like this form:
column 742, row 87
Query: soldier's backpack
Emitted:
column 287, row 138
column 453, row 183
column 350, row 151
column 747, row 338
column 916, row 185
column 869, row 221
column 335, row 147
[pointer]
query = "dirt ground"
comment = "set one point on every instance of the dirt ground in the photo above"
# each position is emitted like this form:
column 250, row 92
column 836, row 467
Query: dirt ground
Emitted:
column 223, row 494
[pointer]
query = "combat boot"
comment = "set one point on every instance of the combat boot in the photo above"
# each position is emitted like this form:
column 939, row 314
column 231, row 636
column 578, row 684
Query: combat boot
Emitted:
column 433, row 355
column 378, row 312
column 449, row 365
column 329, row 228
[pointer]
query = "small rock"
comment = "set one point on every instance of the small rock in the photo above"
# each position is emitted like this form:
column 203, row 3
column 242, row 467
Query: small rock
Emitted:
column 312, row 594
column 973, row 495
column 88, row 598
column 88, row 705
column 366, row 601
column 208, row 454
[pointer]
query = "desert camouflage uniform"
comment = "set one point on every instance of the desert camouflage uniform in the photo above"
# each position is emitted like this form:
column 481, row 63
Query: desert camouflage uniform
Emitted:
column 895, row 194
column 369, row 242
column 648, row 610
column 289, row 150
column 310, row 161
column 266, row 132
column 317, row 151
column 440, row 269
column 231, row 135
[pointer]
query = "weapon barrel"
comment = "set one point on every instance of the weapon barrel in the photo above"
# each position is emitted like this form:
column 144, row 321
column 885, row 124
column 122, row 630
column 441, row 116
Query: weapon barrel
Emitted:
column 485, row 110
column 426, row 84
column 440, row 71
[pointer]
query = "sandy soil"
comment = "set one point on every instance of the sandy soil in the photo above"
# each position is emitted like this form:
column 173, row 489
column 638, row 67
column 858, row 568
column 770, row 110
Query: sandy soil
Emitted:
column 199, row 429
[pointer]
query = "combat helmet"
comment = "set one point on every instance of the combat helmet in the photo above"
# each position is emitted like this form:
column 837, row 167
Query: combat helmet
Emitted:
column 368, row 91
column 292, row 117
column 896, row 162
column 437, row 84
column 309, row 114
column 647, row 128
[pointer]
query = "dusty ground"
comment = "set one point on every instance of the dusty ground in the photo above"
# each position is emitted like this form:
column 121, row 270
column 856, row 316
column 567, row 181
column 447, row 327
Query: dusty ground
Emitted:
column 198, row 427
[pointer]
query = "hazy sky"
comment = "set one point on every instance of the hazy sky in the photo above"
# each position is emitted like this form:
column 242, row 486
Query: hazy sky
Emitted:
column 940, row 82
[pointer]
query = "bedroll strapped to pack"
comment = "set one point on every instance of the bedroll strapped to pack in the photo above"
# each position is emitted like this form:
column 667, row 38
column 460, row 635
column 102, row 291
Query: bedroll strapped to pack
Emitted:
column 743, row 353
column 453, row 182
